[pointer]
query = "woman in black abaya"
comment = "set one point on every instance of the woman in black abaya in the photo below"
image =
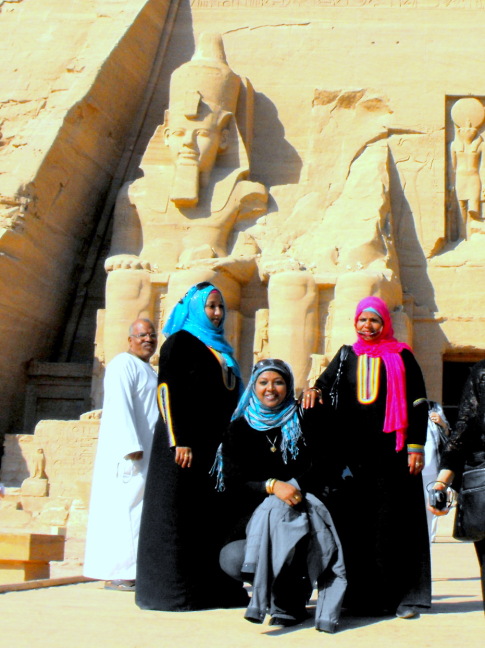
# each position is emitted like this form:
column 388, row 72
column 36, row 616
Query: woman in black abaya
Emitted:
column 184, row 518
column 381, row 419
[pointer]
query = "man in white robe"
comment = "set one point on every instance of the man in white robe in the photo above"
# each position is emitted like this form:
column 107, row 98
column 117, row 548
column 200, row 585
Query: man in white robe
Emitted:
column 130, row 413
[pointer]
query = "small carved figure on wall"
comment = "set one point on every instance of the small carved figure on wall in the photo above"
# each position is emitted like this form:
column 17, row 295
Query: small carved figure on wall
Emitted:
column 260, row 348
column 466, row 150
column 38, row 465
column 37, row 485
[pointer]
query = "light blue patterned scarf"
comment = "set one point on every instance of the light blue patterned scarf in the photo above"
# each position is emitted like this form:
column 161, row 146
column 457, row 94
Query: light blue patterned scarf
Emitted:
column 263, row 418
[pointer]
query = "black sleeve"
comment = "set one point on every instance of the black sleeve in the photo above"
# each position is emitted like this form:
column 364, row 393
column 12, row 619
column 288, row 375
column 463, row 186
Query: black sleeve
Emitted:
column 470, row 428
column 236, row 460
column 177, row 379
column 248, row 464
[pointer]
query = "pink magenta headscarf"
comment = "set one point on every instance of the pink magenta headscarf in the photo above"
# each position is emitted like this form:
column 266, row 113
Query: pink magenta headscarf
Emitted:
column 387, row 348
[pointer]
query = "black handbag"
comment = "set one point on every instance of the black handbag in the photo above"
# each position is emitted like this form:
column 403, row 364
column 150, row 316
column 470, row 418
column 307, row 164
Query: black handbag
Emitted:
column 333, row 393
column 470, row 509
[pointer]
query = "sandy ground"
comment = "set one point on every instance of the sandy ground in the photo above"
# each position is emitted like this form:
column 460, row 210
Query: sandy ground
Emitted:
column 85, row 615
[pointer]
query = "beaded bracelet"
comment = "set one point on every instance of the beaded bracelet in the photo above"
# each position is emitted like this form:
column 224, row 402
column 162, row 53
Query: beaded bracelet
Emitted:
column 415, row 448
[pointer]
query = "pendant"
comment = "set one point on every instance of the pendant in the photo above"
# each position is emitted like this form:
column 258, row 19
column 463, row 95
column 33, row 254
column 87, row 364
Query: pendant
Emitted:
column 273, row 447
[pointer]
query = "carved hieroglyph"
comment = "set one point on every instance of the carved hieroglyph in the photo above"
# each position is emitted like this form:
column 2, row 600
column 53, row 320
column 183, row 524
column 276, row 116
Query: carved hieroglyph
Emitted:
column 179, row 217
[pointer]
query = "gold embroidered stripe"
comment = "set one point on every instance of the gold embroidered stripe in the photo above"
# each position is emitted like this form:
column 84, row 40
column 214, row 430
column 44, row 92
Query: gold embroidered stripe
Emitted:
column 368, row 372
column 227, row 376
column 164, row 406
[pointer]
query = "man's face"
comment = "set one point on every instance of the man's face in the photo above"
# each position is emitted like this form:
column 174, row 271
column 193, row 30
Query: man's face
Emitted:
column 143, row 341
column 194, row 142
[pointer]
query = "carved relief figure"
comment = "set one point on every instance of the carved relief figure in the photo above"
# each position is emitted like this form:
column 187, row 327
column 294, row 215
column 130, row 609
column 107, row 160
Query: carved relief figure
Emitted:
column 181, row 214
column 38, row 465
column 37, row 485
column 260, row 349
column 468, row 115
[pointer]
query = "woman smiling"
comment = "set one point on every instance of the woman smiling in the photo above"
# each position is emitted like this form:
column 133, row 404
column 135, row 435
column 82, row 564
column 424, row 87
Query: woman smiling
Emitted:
column 381, row 414
column 283, row 540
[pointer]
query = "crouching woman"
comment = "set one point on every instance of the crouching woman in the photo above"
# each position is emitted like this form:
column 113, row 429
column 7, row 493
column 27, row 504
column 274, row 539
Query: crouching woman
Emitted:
column 284, row 541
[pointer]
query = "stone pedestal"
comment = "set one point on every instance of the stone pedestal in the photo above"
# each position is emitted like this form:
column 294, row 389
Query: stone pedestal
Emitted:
column 35, row 487
column 26, row 556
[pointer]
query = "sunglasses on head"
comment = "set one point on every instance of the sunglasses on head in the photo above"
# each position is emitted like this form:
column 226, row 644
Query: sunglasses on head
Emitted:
column 271, row 362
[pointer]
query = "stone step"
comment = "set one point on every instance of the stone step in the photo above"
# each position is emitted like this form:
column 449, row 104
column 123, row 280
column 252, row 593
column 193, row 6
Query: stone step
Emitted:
column 26, row 556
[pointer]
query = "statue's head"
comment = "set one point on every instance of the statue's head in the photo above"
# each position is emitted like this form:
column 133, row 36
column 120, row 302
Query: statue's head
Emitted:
column 468, row 115
column 203, row 99
column 196, row 138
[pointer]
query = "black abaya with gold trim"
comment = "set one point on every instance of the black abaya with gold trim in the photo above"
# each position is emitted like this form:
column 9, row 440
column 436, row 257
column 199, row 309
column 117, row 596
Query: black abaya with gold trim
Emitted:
column 184, row 520
column 380, row 512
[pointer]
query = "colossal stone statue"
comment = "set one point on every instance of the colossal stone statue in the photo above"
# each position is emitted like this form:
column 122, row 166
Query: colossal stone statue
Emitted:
column 337, row 245
column 177, row 224
column 466, row 150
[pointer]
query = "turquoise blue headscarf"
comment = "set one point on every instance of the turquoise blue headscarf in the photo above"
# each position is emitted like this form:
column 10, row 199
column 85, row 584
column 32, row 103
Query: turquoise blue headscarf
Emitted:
column 265, row 418
column 189, row 315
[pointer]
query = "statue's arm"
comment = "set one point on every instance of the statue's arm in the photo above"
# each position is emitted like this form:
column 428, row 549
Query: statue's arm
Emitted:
column 253, row 199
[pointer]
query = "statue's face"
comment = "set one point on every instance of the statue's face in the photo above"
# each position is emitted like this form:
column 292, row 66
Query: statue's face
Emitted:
column 195, row 142
column 468, row 133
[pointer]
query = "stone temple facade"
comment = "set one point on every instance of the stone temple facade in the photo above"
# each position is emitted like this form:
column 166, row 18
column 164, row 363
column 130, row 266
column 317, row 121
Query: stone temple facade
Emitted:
column 338, row 153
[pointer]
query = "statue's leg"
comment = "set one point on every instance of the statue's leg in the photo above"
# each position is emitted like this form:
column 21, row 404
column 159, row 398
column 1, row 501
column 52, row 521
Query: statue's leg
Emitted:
column 293, row 321
column 463, row 221
column 128, row 296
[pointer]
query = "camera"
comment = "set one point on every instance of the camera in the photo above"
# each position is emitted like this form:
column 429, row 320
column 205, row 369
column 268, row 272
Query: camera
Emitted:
column 438, row 499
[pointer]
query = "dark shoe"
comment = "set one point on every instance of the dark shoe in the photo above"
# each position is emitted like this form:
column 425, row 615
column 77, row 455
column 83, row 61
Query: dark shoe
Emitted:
column 406, row 612
column 120, row 585
column 287, row 622
column 282, row 621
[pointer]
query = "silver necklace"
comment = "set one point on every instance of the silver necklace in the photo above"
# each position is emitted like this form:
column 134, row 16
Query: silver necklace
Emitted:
column 272, row 443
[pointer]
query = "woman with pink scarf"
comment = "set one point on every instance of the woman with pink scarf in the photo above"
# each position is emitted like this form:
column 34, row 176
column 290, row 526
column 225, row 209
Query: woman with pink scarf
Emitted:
column 376, row 392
